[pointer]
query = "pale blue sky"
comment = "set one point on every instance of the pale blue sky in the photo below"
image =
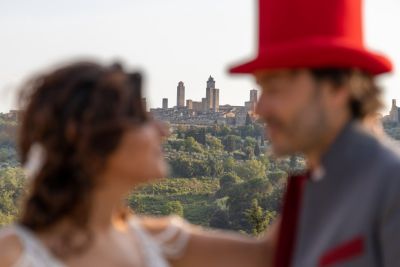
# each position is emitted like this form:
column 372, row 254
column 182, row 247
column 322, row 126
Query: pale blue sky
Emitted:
column 171, row 40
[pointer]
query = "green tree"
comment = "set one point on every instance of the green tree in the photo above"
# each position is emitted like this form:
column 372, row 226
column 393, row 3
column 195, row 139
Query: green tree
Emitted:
column 256, row 217
column 181, row 166
column 277, row 176
column 176, row 144
column 229, row 164
column 226, row 182
column 191, row 145
column 199, row 134
column 181, row 131
column 240, row 198
column 173, row 207
column 224, row 130
column 265, row 161
column 215, row 165
column 249, row 151
column 251, row 169
column 257, row 150
column 247, row 130
column 250, row 141
column 11, row 189
column 232, row 142
column 214, row 143
column 220, row 220
column 200, row 168
column 248, row 120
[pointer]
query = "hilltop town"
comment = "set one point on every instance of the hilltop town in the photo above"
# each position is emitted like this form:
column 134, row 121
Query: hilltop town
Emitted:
column 208, row 111
column 394, row 114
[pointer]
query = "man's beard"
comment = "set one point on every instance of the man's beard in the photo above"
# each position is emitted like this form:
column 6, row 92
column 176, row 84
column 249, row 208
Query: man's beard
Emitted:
column 302, row 134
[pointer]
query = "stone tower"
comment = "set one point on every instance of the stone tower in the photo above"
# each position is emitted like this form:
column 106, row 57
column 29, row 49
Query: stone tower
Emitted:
column 209, row 92
column 165, row 103
column 394, row 112
column 180, row 98
column 253, row 96
column 215, row 100
column 189, row 104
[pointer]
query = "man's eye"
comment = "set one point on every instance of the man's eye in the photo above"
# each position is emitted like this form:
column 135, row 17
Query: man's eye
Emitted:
column 273, row 90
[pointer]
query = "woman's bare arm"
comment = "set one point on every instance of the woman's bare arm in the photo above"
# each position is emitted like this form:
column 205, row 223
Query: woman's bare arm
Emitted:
column 10, row 250
column 222, row 248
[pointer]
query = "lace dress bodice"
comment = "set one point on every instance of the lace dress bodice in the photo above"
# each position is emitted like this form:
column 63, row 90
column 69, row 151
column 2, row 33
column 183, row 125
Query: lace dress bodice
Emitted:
column 155, row 249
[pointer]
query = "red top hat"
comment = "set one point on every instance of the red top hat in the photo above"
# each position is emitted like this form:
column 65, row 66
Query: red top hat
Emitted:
column 312, row 34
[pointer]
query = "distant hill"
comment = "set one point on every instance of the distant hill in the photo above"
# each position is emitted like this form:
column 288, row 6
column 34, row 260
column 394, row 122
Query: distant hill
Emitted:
column 220, row 177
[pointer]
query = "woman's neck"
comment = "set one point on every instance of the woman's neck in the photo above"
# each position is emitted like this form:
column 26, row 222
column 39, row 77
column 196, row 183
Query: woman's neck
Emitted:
column 107, row 199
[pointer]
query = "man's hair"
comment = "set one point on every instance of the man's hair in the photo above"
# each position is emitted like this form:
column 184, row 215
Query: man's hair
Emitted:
column 364, row 92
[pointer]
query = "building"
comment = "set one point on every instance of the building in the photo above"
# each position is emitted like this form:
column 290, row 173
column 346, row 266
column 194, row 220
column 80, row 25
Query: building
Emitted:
column 165, row 103
column 210, row 92
column 250, row 106
column 215, row 100
column 394, row 112
column 204, row 105
column 208, row 111
column 189, row 104
column 197, row 106
column 180, row 95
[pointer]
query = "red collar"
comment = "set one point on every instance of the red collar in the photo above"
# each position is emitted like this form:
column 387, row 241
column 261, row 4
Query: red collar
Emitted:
column 290, row 217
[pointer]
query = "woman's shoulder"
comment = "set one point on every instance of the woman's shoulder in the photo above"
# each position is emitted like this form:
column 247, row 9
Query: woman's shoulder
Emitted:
column 171, row 233
column 11, row 247
column 156, row 225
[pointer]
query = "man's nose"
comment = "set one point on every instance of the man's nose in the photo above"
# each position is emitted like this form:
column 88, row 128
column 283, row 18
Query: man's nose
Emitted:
column 266, row 107
column 262, row 106
column 258, row 107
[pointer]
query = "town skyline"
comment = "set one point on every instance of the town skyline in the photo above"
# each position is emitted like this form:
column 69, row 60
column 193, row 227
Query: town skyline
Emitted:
column 212, row 96
column 208, row 111
column 170, row 40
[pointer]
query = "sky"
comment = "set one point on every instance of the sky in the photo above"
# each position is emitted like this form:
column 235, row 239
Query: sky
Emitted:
column 170, row 41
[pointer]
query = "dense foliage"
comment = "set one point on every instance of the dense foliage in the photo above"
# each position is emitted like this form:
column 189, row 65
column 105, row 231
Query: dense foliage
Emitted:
column 12, row 179
column 219, row 177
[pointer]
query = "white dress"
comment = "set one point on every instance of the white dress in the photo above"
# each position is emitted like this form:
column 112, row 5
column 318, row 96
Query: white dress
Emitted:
column 155, row 249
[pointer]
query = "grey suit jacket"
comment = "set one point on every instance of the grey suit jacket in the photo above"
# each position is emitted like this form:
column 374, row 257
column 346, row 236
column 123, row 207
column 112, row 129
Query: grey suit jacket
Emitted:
column 351, row 217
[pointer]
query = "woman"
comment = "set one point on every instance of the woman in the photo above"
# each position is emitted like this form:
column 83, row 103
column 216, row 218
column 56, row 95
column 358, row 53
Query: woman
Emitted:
column 87, row 141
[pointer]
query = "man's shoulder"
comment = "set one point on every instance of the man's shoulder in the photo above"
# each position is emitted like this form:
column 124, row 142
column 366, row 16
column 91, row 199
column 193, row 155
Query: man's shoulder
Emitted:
column 375, row 158
column 382, row 165
column 11, row 247
column 376, row 151
column 388, row 154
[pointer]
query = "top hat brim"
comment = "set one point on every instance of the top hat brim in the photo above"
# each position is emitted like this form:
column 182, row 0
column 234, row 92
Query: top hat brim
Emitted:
column 316, row 54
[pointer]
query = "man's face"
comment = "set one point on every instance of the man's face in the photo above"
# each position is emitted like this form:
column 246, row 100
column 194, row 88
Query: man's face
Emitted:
column 295, row 109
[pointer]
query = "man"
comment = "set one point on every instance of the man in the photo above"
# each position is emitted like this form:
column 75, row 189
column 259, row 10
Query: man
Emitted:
column 318, row 85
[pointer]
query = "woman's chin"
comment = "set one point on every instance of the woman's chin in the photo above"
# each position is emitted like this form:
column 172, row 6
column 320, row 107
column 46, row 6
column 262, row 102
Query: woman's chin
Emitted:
column 159, row 172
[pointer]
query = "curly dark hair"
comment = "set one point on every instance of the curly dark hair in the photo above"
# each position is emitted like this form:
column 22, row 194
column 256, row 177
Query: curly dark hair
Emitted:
column 364, row 92
column 78, row 114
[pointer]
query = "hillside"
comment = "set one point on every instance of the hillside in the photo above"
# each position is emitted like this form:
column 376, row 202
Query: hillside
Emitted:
column 219, row 177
